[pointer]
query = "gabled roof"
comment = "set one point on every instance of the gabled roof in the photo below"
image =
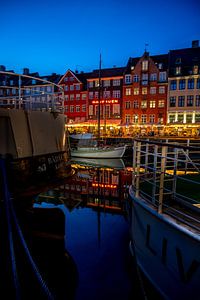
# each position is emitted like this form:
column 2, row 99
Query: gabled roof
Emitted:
column 185, row 58
column 109, row 72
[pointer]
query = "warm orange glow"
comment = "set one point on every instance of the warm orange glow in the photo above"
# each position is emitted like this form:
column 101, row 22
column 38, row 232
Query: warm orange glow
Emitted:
column 111, row 186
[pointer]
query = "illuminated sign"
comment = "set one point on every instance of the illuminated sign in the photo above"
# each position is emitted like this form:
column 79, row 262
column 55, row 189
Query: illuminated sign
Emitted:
column 111, row 186
column 104, row 101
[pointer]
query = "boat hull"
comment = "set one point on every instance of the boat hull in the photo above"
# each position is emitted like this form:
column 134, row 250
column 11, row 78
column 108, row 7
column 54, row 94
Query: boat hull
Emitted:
column 167, row 252
column 33, row 145
column 106, row 152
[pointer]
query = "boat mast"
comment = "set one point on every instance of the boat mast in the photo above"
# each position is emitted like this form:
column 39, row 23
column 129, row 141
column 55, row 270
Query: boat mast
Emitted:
column 99, row 102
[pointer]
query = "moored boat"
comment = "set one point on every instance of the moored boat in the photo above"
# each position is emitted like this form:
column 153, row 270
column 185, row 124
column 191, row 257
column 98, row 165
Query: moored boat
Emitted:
column 32, row 133
column 99, row 152
column 165, row 217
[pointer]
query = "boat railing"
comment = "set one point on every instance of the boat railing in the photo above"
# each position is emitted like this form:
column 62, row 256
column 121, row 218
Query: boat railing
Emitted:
column 43, row 95
column 168, row 177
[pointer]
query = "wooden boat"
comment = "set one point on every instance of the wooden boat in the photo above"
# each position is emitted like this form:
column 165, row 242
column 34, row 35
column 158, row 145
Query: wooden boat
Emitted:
column 99, row 152
column 165, row 217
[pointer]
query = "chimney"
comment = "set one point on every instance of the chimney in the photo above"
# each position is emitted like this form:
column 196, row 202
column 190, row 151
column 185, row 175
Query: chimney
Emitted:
column 2, row 68
column 195, row 44
column 25, row 71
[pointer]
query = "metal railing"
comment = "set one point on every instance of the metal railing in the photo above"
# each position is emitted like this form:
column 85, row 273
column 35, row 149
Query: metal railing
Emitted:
column 44, row 95
column 168, row 176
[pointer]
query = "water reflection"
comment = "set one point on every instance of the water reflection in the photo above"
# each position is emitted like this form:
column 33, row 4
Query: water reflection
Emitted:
column 96, row 230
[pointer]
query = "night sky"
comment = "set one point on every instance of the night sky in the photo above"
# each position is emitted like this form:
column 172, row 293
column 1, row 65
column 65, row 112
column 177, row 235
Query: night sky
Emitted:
column 53, row 36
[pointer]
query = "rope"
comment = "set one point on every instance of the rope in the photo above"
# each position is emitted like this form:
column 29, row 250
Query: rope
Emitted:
column 10, row 233
column 10, row 209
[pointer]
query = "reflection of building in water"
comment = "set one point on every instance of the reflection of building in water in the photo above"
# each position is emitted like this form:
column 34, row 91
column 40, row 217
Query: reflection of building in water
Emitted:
column 102, row 187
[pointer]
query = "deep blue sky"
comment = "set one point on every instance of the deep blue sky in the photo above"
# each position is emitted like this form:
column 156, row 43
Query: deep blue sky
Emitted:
column 53, row 36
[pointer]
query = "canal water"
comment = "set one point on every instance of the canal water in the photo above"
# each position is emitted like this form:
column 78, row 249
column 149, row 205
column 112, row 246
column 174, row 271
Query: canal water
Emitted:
column 78, row 236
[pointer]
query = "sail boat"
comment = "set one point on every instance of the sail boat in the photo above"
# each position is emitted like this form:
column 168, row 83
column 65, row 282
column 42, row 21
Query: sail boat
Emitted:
column 95, row 149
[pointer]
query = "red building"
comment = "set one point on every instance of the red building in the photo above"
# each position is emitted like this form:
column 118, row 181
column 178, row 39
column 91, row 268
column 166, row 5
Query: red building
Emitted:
column 145, row 94
column 111, row 95
column 75, row 93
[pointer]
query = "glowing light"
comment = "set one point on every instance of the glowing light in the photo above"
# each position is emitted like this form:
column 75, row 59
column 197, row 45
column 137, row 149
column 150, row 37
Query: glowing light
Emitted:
column 102, row 185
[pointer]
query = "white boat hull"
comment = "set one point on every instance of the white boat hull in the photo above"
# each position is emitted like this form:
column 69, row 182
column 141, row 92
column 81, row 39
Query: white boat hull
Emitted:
column 86, row 152
column 167, row 252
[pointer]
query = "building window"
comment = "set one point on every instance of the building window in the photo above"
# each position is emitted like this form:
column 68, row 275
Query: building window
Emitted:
column 144, row 119
column 197, row 102
column 160, row 66
column 161, row 103
column 195, row 70
column 191, row 84
column 116, row 94
column 65, row 79
column 144, row 76
column 180, row 118
column 135, row 78
column 84, row 96
column 66, row 97
column 127, row 78
column 96, row 83
column 173, row 85
column 83, row 108
column 135, row 104
column 128, row 92
column 189, row 118
column 90, row 84
column 66, row 87
column 153, row 77
column 78, row 96
column 197, row 118
column 181, row 84
column 145, row 65
column 90, row 110
column 66, row 108
column 127, row 104
column 77, row 87
column 171, row 118
column 71, row 108
column 152, row 90
column 91, row 95
column 71, row 78
column 77, row 108
column 96, row 95
column 116, row 109
column 135, row 119
column 128, row 119
column 152, row 119
column 116, row 82
column 152, row 104
column 136, row 91
column 181, row 101
column 162, row 76
column 72, row 97
column 190, row 100
column 106, row 94
column 172, row 101
column 178, row 70
column 161, row 89
column 198, row 83
column 144, row 104
column 144, row 91
column 71, row 87
column 106, row 83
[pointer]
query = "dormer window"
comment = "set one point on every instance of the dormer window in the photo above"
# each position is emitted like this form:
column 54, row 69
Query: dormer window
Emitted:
column 178, row 70
column 145, row 65
column 195, row 70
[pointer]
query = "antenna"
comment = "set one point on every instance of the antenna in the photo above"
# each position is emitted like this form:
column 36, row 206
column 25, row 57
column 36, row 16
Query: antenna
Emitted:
column 145, row 49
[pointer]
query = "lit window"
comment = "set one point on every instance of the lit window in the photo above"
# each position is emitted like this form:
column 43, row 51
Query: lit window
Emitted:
column 152, row 119
column 136, row 91
column 106, row 83
column 135, row 104
column 128, row 119
column 128, row 92
column 152, row 104
column 161, row 103
column 144, row 104
column 135, row 119
column 144, row 119
column 145, row 65
column 127, row 104
column 144, row 91
column 71, row 108
column 117, row 94
column 116, row 82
